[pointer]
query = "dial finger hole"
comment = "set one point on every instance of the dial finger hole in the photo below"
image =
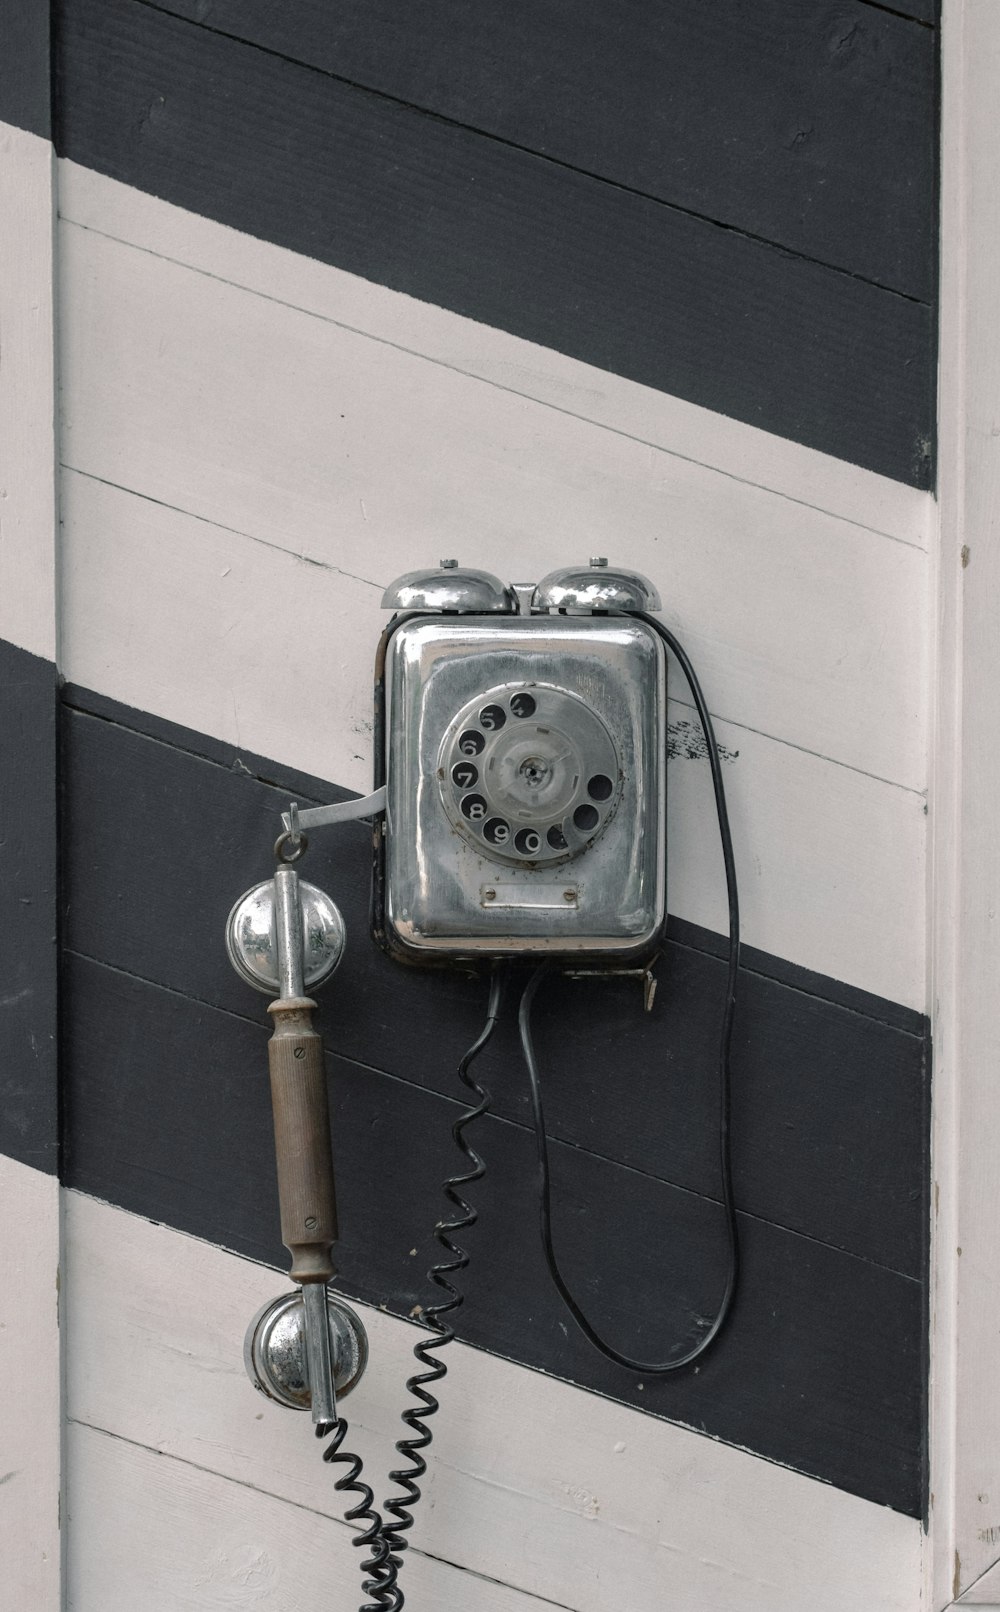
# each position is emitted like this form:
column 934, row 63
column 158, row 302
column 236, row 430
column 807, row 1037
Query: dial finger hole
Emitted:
column 586, row 817
column 522, row 705
column 529, row 841
column 492, row 717
column 474, row 808
column 599, row 787
column 557, row 838
column 496, row 831
column 471, row 743
column 464, row 775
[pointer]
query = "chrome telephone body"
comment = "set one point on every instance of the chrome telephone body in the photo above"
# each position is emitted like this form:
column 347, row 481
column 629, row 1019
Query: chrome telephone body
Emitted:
column 525, row 787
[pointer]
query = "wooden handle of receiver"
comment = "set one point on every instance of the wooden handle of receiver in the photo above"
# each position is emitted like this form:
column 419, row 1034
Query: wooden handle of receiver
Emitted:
column 302, row 1139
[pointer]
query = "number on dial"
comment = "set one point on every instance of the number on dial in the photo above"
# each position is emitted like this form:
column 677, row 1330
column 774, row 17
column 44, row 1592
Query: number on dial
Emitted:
column 492, row 717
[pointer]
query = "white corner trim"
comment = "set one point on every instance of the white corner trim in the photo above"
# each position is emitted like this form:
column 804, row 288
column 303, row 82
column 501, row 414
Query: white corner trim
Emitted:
column 965, row 863
column 27, row 394
column 30, row 1454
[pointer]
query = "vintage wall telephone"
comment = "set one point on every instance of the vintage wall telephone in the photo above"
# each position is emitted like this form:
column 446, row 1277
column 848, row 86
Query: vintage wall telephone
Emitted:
column 519, row 813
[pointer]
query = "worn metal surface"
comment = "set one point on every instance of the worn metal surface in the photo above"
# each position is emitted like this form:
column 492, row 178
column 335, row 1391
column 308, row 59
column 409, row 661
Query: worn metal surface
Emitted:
column 454, row 684
column 251, row 941
column 274, row 1350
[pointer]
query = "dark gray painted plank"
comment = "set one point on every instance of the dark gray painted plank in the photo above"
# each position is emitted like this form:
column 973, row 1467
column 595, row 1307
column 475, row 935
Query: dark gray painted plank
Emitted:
column 830, row 1120
column 803, row 979
column 28, row 1079
column 808, row 124
column 299, row 785
column 168, row 1116
column 25, row 70
column 925, row 11
column 498, row 234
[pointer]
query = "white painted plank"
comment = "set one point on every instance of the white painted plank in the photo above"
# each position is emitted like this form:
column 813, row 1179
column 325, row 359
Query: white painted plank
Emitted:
column 234, row 638
column 358, row 455
column 155, row 1533
column 533, row 1482
column 30, row 1374
column 30, row 1457
column 986, row 1590
column 738, row 450
column 27, row 406
column 965, row 1478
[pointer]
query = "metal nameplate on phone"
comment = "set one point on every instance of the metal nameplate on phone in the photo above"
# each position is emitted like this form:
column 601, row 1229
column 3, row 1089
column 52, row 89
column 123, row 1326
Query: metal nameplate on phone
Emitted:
column 554, row 897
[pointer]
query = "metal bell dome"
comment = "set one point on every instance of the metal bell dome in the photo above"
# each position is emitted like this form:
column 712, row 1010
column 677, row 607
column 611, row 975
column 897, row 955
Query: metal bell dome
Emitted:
column 452, row 587
column 581, row 590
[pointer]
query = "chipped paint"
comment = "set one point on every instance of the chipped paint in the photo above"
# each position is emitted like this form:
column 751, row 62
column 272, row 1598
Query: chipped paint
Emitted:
column 686, row 742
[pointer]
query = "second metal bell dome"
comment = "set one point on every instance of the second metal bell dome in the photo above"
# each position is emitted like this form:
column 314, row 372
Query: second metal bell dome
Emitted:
column 581, row 590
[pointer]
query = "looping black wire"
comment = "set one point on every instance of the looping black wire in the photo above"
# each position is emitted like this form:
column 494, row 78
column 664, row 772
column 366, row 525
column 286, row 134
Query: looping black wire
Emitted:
column 661, row 1368
column 379, row 1568
column 401, row 1506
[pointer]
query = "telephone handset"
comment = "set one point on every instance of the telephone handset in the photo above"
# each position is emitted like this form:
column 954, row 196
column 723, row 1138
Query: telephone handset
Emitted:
column 519, row 813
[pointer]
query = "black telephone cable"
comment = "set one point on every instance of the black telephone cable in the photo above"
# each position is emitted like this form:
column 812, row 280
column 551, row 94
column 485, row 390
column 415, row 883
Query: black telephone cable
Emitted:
column 401, row 1506
column 379, row 1567
column 388, row 1540
column 661, row 1368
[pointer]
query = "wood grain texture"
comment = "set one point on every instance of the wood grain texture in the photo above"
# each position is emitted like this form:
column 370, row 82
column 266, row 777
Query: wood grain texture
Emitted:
column 25, row 67
column 346, row 452
column 458, row 219
column 30, row 1463
column 831, row 1103
column 183, row 1538
column 302, row 1140
column 682, row 429
column 822, row 1366
column 570, row 1496
column 966, row 955
column 196, row 613
column 28, row 1004
column 810, row 126
column 27, row 391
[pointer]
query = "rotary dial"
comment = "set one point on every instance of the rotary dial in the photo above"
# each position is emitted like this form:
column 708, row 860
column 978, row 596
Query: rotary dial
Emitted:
column 529, row 773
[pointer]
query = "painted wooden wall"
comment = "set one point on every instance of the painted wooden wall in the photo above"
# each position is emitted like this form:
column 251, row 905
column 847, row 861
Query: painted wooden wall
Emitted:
column 338, row 294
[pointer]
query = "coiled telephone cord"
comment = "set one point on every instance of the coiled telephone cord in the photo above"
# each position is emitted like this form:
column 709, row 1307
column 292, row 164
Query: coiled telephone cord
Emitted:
column 380, row 1582
column 406, row 1478
column 388, row 1541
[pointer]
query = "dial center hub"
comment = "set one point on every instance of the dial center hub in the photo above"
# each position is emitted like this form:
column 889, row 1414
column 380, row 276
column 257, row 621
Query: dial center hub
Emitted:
column 535, row 772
